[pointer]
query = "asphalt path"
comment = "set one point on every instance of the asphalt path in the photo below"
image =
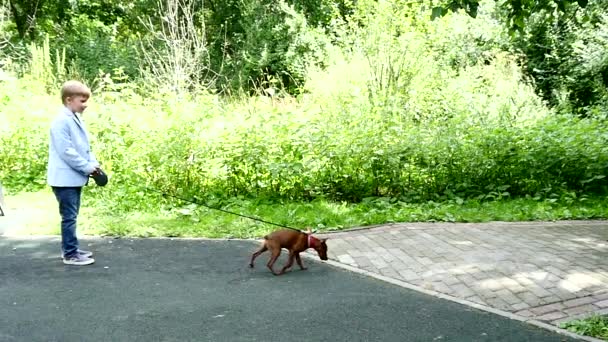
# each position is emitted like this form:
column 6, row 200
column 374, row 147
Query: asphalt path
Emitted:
column 202, row 290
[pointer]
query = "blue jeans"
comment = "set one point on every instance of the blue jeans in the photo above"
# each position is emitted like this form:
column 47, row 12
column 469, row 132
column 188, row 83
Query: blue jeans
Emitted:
column 69, row 206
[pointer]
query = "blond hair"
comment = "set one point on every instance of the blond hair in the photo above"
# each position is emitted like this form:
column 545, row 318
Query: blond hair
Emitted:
column 74, row 88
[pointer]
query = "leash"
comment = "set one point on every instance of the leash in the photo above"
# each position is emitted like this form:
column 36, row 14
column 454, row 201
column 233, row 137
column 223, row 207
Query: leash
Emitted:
column 194, row 201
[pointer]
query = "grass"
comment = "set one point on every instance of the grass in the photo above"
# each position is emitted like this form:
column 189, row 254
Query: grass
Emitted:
column 594, row 326
column 37, row 213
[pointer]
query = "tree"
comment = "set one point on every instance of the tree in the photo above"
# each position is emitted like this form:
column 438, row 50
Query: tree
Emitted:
column 24, row 14
column 567, row 58
column 517, row 11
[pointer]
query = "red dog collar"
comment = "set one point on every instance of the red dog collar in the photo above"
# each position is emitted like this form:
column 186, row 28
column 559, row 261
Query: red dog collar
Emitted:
column 312, row 241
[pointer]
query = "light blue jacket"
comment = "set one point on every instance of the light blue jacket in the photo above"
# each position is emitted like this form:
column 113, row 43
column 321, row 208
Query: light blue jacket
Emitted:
column 70, row 158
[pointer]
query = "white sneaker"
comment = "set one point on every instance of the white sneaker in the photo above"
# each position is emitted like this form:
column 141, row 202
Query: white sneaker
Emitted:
column 78, row 260
column 85, row 254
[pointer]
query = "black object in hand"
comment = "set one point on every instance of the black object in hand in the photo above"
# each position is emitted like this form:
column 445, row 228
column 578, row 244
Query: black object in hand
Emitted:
column 100, row 177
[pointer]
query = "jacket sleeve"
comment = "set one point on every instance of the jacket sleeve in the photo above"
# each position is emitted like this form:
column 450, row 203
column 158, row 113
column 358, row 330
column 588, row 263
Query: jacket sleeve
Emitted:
column 60, row 138
column 93, row 159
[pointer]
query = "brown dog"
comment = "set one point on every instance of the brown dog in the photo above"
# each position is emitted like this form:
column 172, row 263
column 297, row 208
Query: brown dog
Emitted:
column 293, row 240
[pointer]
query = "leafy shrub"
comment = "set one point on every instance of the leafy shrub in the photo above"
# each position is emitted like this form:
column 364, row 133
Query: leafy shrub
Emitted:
column 595, row 326
column 391, row 116
column 213, row 150
column 273, row 46
column 566, row 57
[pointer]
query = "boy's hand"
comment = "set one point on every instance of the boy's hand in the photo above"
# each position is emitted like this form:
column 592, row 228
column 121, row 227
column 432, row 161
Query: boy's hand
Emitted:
column 96, row 171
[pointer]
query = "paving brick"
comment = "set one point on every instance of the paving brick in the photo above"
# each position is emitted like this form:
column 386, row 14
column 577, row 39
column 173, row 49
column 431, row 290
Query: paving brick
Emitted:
column 498, row 303
column 378, row 262
column 517, row 288
column 396, row 252
column 450, row 280
column 552, row 316
column 346, row 259
column 417, row 282
column 370, row 268
column 602, row 304
column 362, row 261
column 519, row 306
column 529, row 298
column 479, row 274
column 524, row 313
column 389, row 272
column 424, row 261
column 397, row 265
column 508, row 297
column 580, row 309
column 550, row 299
column 409, row 275
column 462, row 291
column 504, row 265
column 541, row 310
column 508, row 283
column 476, row 299
column 407, row 259
column 578, row 301
column 538, row 291
column 467, row 279
column 389, row 257
column 441, row 287
column 601, row 295
column 491, row 284
column 485, row 294
column 563, row 294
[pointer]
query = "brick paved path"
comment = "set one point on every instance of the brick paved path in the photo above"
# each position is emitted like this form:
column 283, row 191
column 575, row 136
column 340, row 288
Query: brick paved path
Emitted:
column 550, row 272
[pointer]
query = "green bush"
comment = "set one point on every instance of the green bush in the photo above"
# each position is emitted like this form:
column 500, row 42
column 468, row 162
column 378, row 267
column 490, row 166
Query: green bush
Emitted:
column 91, row 47
column 391, row 115
column 214, row 150
column 595, row 326
column 272, row 45
column 567, row 58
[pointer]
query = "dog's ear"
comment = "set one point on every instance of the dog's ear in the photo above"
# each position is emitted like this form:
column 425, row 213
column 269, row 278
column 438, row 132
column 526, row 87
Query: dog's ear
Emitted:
column 323, row 240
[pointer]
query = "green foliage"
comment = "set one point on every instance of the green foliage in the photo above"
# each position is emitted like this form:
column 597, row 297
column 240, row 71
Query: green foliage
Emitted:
column 188, row 220
column 285, row 151
column 182, row 219
column 322, row 13
column 23, row 144
column 271, row 45
column 595, row 326
column 517, row 12
column 91, row 47
column 567, row 58
column 90, row 36
column 399, row 111
column 252, row 43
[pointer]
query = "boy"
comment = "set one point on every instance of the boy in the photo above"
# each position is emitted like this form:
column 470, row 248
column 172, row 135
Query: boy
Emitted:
column 70, row 165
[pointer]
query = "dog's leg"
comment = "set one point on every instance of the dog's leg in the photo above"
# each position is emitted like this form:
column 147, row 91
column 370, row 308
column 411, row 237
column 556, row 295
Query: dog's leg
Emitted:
column 256, row 254
column 299, row 261
column 273, row 258
column 289, row 262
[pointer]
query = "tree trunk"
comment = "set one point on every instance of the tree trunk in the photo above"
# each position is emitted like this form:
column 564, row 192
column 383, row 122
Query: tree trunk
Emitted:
column 19, row 18
column 24, row 14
